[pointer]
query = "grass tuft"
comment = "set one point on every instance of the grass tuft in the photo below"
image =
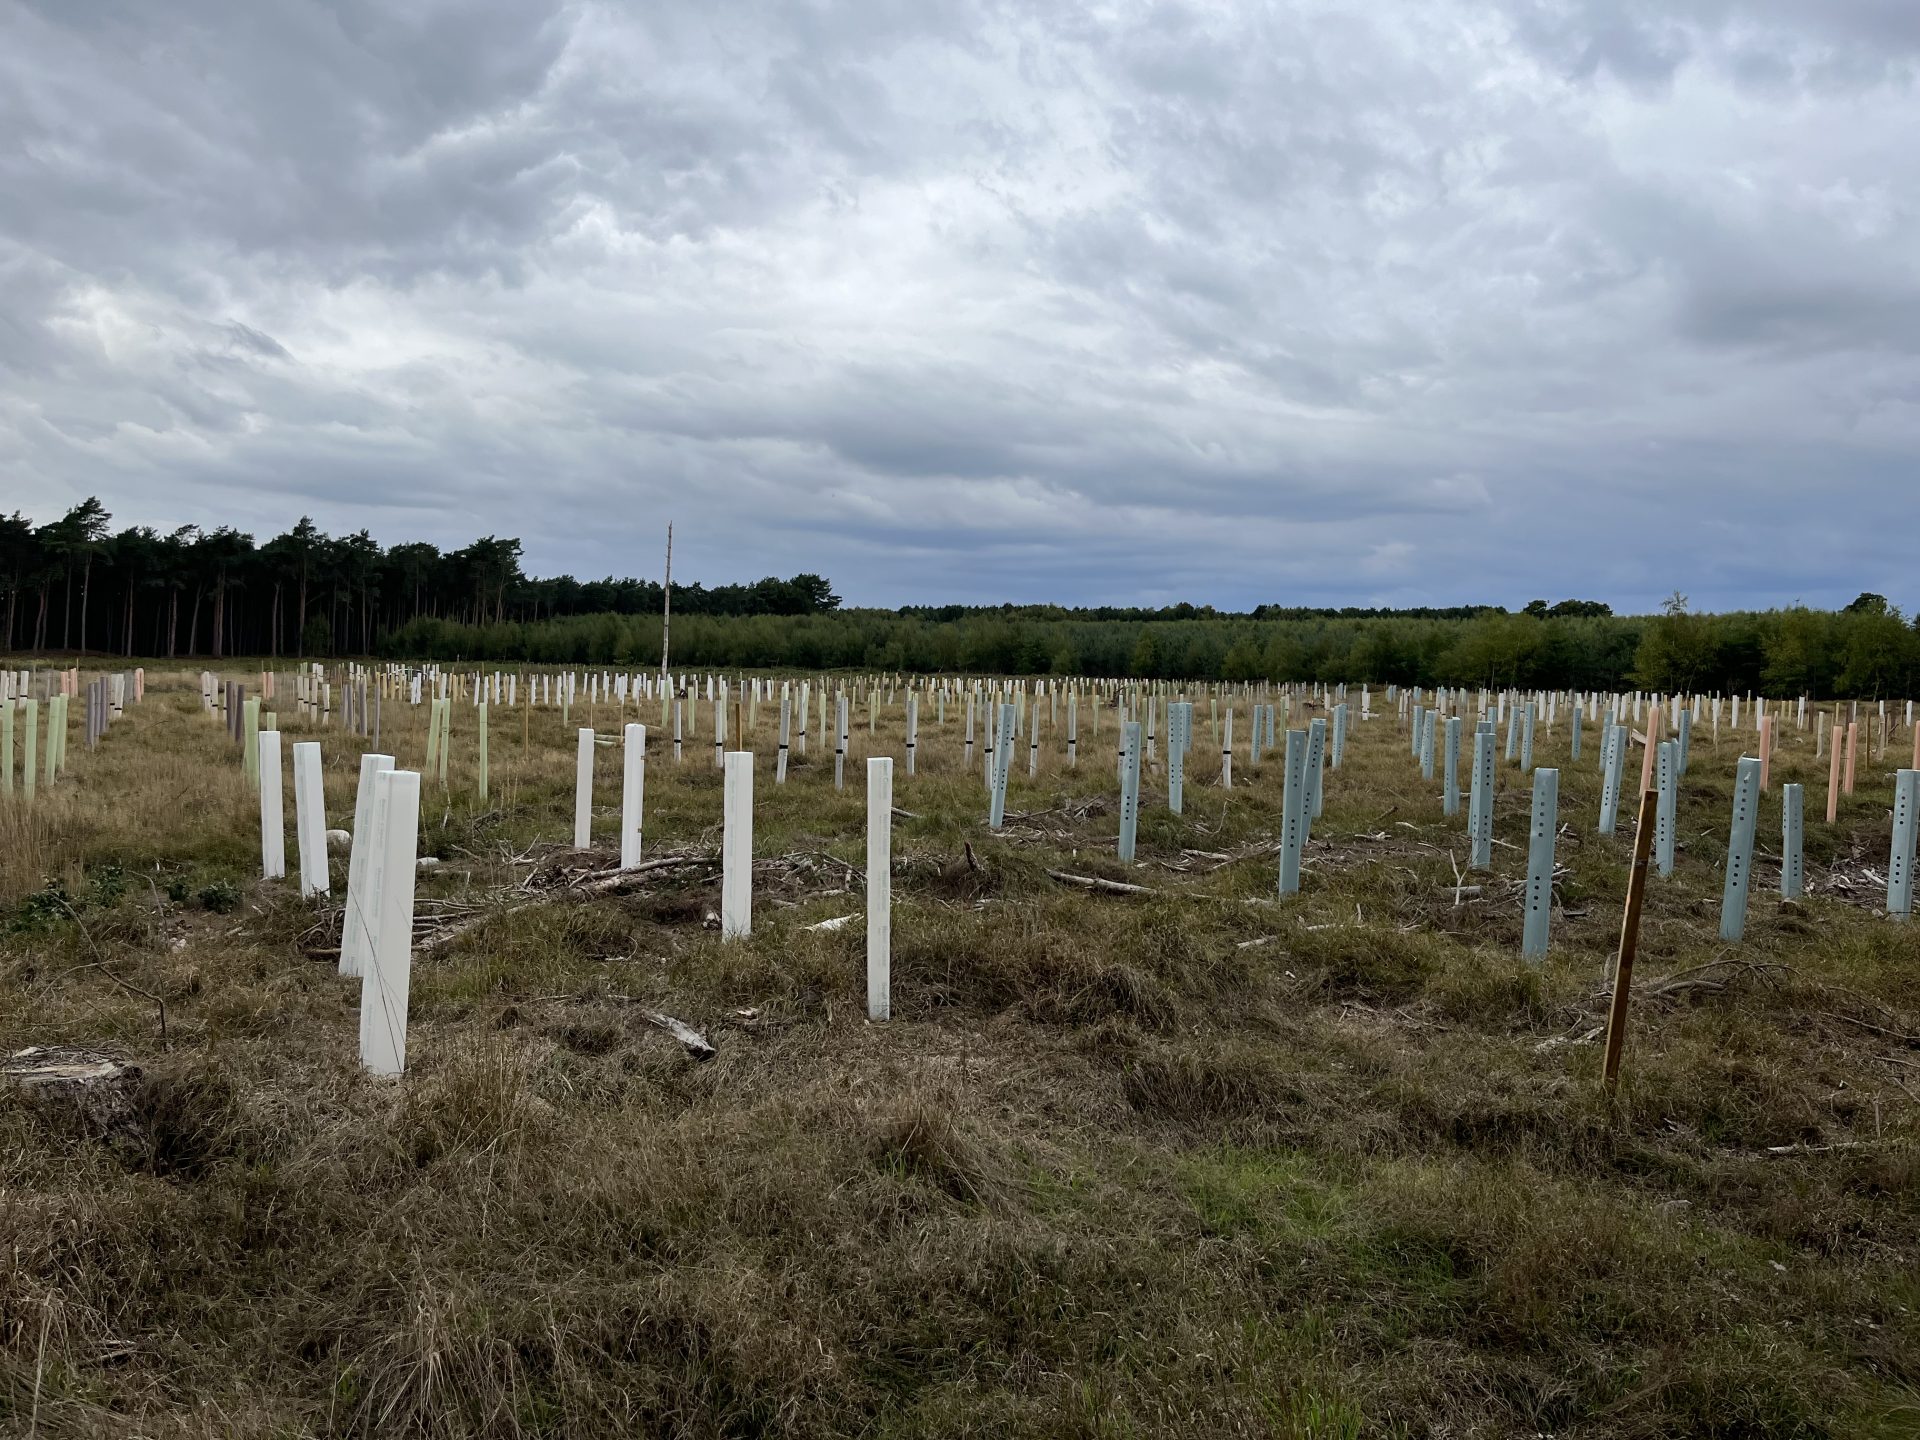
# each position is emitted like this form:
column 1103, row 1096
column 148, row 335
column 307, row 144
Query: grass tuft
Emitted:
column 1200, row 1162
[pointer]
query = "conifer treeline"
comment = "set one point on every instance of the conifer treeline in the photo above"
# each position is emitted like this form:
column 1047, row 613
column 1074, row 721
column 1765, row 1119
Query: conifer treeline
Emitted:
column 72, row 584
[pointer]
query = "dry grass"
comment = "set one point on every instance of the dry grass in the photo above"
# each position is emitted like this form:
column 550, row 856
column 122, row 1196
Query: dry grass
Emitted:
column 1180, row 1165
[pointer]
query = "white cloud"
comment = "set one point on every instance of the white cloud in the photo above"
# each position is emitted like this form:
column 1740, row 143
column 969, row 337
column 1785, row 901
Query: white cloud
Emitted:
column 984, row 301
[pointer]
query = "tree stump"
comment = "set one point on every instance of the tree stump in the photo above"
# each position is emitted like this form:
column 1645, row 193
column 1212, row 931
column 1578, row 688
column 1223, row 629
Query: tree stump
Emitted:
column 84, row 1086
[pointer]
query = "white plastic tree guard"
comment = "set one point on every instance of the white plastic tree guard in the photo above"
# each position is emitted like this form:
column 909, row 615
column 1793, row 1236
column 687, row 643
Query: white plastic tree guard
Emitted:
column 736, row 847
column 385, row 985
column 633, row 793
column 356, row 936
column 583, row 791
column 310, row 819
column 273, row 819
column 879, row 888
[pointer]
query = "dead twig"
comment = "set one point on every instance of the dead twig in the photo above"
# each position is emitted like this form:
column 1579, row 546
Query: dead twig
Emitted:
column 101, row 964
column 1806, row 1149
column 1911, row 1041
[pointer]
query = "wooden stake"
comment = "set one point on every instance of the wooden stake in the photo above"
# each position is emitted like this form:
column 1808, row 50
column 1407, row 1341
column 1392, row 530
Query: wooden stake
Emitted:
column 1629, row 940
column 666, row 606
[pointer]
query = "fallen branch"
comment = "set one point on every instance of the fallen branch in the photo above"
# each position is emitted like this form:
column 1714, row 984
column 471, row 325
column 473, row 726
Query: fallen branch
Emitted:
column 613, row 884
column 1582, row 1037
column 1252, row 851
column 1104, row 887
column 1806, row 1149
column 626, row 879
column 1756, row 965
column 1682, row 987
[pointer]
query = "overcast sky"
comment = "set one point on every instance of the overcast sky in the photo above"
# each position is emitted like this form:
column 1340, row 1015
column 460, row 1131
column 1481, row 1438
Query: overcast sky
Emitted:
column 1406, row 301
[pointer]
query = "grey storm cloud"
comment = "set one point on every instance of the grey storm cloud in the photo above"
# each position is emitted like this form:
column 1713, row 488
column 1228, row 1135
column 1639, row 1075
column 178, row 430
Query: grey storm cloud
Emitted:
column 1422, row 301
